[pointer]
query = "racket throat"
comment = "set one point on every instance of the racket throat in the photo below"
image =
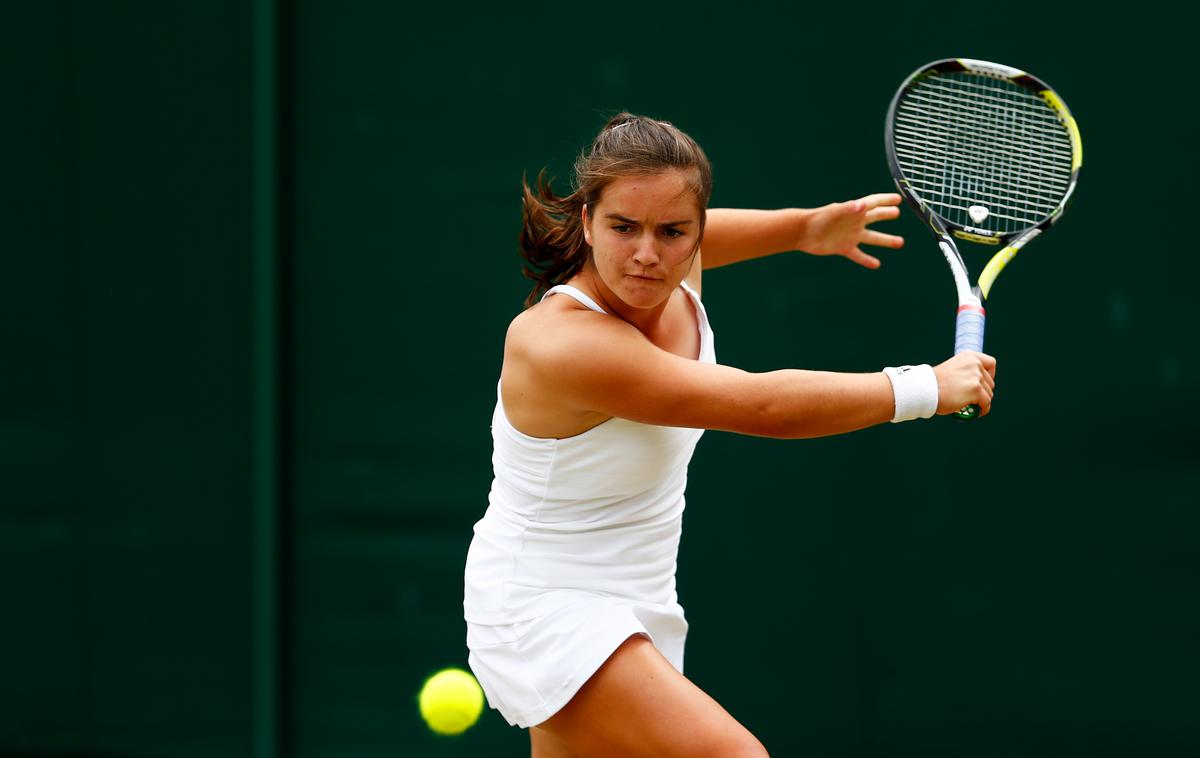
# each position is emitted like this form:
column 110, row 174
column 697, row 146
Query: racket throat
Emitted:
column 967, row 295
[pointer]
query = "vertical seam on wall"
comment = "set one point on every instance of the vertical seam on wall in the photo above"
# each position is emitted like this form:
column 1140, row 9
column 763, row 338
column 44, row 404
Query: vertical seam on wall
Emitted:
column 265, row 462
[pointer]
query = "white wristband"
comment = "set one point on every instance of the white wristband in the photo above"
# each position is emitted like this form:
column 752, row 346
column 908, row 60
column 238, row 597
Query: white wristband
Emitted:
column 916, row 391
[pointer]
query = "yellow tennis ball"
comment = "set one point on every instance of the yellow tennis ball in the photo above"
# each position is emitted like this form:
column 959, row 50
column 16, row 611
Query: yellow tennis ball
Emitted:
column 451, row 701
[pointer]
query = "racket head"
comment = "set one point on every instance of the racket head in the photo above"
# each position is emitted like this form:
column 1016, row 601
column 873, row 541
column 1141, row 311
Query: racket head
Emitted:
column 982, row 151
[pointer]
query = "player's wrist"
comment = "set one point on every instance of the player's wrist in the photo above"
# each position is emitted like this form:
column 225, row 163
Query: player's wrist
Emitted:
column 799, row 228
column 915, row 389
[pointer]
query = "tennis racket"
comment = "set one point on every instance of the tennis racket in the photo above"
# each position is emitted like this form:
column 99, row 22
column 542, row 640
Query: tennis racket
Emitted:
column 985, row 153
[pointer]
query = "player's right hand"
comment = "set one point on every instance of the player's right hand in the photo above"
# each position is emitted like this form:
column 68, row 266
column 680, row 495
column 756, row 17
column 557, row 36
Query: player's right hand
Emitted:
column 966, row 379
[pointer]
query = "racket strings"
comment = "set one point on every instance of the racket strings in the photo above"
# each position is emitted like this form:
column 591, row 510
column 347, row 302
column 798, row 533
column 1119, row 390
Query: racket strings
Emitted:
column 982, row 153
column 1005, row 91
column 935, row 116
column 965, row 140
column 1032, row 184
column 1037, row 107
column 994, row 203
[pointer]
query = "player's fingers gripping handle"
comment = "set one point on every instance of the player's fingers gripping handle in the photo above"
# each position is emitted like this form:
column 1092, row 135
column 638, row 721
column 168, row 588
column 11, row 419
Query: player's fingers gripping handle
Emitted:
column 968, row 336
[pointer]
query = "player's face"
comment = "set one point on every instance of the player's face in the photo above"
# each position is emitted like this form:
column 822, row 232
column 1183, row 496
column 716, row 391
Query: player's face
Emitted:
column 644, row 233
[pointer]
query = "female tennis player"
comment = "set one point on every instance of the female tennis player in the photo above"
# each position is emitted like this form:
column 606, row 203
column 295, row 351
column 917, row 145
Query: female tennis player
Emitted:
column 609, row 379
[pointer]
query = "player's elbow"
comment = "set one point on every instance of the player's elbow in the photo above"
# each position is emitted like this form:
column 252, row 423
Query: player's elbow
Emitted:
column 772, row 418
column 780, row 418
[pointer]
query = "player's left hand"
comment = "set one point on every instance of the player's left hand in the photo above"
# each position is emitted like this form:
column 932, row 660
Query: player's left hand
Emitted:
column 839, row 228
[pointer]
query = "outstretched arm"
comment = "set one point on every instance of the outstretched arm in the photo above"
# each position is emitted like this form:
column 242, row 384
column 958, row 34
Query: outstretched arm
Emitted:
column 732, row 235
column 605, row 366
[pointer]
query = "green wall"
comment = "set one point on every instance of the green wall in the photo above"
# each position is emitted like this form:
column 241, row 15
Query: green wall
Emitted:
column 259, row 261
column 125, row 421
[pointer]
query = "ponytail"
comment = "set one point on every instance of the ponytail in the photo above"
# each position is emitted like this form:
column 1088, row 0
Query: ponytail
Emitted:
column 551, row 242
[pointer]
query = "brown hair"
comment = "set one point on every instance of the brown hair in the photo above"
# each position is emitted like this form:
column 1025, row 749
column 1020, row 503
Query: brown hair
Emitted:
column 551, row 242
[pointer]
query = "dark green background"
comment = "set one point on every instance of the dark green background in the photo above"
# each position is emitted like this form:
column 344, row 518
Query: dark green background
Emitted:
column 257, row 264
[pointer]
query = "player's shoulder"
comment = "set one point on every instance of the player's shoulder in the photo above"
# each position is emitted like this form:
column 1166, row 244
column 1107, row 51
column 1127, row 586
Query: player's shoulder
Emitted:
column 559, row 329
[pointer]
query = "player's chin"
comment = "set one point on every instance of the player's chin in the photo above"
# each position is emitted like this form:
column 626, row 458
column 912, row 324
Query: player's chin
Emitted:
column 645, row 292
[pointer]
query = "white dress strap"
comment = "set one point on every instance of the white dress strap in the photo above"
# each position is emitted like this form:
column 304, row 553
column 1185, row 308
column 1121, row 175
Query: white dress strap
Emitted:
column 570, row 291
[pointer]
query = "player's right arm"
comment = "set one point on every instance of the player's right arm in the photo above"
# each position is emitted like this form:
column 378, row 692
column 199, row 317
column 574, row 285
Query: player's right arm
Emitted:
column 590, row 363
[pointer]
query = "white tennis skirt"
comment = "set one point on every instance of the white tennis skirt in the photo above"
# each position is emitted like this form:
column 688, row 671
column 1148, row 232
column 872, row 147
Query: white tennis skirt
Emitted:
column 531, row 669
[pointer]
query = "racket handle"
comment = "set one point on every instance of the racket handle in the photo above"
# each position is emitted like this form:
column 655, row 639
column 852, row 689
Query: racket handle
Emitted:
column 968, row 329
column 968, row 336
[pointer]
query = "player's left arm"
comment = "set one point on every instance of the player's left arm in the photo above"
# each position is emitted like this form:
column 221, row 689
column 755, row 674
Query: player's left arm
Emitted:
column 732, row 235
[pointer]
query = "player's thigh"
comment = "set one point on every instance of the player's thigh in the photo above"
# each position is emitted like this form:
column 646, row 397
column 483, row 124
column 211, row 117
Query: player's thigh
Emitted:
column 546, row 745
column 638, row 704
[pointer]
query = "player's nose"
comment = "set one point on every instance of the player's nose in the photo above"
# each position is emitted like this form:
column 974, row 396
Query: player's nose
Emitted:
column 646, row 253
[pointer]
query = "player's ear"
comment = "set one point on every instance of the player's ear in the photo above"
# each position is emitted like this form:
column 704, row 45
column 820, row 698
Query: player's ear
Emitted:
column 587, row 231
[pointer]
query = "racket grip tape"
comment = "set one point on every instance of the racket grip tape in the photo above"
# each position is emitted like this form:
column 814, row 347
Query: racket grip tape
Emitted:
column 968, row 329
column 968, row 336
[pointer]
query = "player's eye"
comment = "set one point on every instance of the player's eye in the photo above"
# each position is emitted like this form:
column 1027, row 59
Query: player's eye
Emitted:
column 673, row 232
column 622, row 228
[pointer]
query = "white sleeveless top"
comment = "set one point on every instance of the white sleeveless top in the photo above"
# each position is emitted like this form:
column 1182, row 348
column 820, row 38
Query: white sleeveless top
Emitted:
column 598, row 514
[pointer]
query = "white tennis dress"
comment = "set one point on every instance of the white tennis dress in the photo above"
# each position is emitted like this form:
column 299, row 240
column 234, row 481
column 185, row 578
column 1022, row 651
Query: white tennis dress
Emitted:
column 576, row 553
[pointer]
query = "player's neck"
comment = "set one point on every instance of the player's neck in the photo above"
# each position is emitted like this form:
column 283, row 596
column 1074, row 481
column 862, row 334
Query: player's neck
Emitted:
column 645, row 320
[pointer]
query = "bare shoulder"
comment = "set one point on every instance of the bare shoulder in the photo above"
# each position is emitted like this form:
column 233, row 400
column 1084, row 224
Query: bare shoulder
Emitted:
column 550, row 352
column 545, row 328
column 559, row 333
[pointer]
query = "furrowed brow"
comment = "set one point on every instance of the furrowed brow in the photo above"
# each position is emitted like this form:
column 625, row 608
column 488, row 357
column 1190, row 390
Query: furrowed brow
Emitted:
column 622, row 219
column 619, row 217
